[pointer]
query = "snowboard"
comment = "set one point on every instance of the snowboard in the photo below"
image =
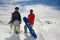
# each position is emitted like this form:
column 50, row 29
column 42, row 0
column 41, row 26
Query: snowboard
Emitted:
column 32, row 32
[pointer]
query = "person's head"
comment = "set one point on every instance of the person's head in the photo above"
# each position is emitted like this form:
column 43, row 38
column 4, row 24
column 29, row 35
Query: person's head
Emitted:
column 31, row 11
column 16, row 8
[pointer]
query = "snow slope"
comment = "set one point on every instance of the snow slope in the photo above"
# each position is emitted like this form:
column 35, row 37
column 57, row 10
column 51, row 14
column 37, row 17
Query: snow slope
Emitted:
column 43, row 30
column 47, row 25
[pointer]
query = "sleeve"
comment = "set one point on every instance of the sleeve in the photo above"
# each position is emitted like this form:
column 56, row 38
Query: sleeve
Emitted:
column 11, row 16
column 34, row 16
column 19, row 17
column 11, row 19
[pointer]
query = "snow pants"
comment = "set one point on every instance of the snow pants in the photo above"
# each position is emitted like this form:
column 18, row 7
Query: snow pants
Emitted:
column 25, row 28
column 16, row 26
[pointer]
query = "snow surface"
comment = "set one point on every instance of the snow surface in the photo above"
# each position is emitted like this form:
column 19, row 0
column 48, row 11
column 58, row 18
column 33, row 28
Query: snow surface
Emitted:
column 43, row 29
column 46, row 27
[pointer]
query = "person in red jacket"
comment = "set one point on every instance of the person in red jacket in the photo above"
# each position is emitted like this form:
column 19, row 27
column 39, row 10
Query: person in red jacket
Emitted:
column 31, row 18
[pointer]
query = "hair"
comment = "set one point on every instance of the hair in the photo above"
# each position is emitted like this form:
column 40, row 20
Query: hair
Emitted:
column 31, row 10
column 17, row 8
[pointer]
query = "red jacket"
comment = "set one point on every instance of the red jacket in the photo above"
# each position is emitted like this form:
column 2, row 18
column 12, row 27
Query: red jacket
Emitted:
column 31, row 18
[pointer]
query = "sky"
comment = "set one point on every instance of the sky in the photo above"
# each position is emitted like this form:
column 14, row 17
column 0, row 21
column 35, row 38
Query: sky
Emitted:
column 39, row 6
column 5, row 3
column 31, row 2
